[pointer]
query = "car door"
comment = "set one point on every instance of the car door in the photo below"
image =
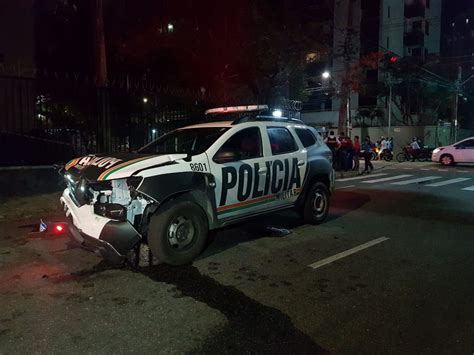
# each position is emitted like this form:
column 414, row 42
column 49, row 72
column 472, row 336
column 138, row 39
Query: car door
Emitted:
column 465, row 151
column 287, row 166
column 239, row 169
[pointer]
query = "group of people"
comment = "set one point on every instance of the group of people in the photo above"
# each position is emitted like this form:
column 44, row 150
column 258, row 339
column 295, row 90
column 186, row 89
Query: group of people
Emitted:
column 342, row 149
column 382, row 145
column 347, row 153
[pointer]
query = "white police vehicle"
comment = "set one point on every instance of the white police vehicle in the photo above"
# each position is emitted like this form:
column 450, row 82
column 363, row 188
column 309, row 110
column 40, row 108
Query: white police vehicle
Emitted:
column 196, row 179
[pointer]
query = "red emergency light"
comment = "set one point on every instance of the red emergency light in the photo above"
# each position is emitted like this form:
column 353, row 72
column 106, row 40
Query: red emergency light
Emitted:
column 58, row 229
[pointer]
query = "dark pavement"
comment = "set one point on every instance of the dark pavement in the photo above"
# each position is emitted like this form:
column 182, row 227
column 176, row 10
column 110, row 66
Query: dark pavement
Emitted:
column 255, row 292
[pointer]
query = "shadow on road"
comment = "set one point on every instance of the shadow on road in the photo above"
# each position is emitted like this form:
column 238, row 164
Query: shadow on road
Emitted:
column 342, row 203
column 252, row 327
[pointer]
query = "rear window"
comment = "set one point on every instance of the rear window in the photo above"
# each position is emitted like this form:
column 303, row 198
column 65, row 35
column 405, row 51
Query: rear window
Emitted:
column 306, row 137
column 281, row 140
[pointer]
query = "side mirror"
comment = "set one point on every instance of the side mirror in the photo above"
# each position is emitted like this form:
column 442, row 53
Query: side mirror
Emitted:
column 226, row 156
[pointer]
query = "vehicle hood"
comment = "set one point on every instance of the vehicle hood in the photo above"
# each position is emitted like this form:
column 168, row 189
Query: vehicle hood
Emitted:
column 99, row 167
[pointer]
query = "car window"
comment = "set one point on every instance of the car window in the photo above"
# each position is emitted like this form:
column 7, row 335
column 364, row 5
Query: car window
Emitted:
column 281, row 140
column 466, row 144
column 306, row 137
column 189, row 141
column 246, row 144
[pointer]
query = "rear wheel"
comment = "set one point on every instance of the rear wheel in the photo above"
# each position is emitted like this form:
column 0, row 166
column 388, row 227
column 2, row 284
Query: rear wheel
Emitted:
column 446, row 160
column 178, row 232
column 316, row 206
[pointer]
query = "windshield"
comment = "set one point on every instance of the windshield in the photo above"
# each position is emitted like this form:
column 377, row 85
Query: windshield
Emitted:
column 185, row 141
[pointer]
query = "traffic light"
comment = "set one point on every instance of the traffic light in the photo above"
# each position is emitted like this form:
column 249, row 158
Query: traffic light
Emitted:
column 393, row 59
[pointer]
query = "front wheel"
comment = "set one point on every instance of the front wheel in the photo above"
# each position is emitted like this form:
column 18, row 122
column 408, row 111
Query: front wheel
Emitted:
column 316, row 206
column 401, row 157
column 178, row 232
column 447, row 160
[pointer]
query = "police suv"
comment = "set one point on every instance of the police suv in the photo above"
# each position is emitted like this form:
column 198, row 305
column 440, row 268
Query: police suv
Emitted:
column 196, row 179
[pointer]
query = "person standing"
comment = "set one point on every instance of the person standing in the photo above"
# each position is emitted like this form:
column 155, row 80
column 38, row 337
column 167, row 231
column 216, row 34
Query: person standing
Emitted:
column 414, row 149
column 333, row 143
column 356, row 151
column 367, row 153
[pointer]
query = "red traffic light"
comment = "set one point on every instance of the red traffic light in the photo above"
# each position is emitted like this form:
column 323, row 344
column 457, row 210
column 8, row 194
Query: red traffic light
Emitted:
column 393, row 59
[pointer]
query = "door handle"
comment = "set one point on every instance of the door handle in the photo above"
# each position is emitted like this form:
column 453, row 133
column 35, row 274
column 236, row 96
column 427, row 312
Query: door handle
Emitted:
column 301, row 163
column 262, row 171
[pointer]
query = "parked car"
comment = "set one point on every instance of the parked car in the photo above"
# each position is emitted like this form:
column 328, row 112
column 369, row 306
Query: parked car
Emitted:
column 197, row 179
column 460, row 152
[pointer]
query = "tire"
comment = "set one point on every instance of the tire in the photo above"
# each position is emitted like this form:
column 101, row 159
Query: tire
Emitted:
column 178, row 232
column 388, row 157
column 373, row 156
column 446, row 160
column 401, row 157
column 311, row 213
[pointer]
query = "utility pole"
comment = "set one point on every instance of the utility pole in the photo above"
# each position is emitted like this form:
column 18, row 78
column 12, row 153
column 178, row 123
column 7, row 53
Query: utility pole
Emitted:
column 456, row 102
column 389, row 109
column 100, row 61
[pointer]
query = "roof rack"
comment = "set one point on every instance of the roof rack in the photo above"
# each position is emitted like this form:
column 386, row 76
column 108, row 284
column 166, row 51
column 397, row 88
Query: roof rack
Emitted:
column 265, row 118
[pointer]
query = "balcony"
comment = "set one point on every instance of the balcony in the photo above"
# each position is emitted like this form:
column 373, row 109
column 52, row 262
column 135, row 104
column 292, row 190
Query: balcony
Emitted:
column 414, row 38
column 415, row 8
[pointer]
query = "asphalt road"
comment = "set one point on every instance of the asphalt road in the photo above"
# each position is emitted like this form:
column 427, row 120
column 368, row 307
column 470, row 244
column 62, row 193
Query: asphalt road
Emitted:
column 406, row 287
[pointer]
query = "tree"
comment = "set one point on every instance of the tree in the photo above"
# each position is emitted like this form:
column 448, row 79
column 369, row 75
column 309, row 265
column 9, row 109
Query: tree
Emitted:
column 417, row 90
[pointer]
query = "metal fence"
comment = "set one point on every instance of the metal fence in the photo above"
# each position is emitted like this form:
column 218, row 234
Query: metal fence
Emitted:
column 61, row 116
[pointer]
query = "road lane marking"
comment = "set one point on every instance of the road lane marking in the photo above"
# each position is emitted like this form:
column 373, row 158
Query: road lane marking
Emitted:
column 386, row 179
column 361, row 177
column 470, row 188
column 345, row 187
column 448, row 182
column 416, row 181
column 407, row 168
column 443, row 170
column 343, row 254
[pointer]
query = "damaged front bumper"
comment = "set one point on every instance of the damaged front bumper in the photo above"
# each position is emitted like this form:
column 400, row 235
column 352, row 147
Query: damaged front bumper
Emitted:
column 112, row 239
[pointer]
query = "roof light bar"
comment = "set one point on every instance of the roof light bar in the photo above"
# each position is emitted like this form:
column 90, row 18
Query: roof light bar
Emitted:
column 232, row 109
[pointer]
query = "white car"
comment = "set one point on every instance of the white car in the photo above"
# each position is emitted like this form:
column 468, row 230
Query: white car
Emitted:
column 196, row 179
column 460, row 152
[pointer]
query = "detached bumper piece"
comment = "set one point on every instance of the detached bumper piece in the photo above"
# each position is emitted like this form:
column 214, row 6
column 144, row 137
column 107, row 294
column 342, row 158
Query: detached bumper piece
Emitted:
column 114, row 242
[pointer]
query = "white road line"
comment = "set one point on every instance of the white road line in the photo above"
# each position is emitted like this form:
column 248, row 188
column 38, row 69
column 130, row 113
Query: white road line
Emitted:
column 343, row 254
column 448, row 182
column 415, row 181
column 443, row 170
column 361, row 177
column 407, row 168
column 386, row 179
column 426, row 169
column 344, row 187
column 470, row 188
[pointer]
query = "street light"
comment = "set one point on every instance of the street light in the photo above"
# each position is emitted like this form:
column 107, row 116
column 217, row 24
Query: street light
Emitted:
column 153, row 131
column 326, row 75
column 145, row 100
column 170, row 27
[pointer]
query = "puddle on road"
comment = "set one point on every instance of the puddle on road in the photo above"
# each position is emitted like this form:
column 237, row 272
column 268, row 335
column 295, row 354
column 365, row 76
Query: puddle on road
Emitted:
column 251, row 327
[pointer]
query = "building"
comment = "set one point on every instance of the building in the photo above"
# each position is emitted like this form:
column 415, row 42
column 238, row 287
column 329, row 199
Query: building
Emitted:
column 411, row 27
